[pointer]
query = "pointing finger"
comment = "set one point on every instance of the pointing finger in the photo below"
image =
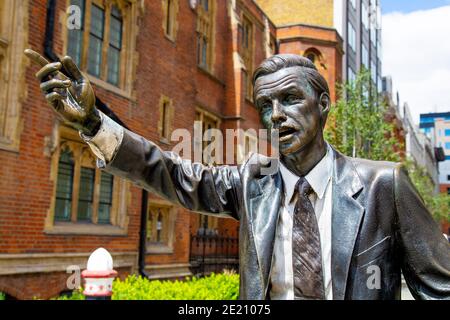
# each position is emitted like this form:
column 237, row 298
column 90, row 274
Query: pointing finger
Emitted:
column 49, row 69
column 72, row 69
column 36, row 57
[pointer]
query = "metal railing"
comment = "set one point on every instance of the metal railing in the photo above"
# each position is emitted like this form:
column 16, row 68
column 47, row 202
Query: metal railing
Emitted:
column 210, row 252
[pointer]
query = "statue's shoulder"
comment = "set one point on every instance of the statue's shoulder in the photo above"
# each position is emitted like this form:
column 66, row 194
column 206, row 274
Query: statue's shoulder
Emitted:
column 374, row 165
column 363, row 165
column 371, row 170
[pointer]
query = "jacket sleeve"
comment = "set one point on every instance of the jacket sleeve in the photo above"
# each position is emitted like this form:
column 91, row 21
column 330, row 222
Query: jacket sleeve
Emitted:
column 204, row 189
column 425, row 252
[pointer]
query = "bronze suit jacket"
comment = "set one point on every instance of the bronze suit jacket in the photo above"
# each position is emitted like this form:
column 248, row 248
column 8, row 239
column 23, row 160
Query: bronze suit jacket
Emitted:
column 378, row 219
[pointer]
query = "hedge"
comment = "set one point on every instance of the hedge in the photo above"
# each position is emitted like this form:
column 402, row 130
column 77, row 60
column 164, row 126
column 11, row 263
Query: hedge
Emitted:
column 224, row 286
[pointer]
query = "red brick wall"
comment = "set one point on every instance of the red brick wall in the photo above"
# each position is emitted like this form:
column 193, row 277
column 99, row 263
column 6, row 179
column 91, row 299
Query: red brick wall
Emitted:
column 40, row 285
column 26, row 188
column 444, row 187
column 299, row 38
column 26, row 185
column 165, row 68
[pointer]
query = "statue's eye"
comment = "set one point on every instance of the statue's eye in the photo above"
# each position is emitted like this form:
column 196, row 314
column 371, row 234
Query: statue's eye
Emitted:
column 292, row 98
column 265, row 105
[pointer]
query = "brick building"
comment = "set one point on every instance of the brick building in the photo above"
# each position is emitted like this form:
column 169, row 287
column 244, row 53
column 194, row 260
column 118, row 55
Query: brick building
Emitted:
column 306, row 28
column 321, row 45
column 158, row 65
column 357, row 23
column 155, row 65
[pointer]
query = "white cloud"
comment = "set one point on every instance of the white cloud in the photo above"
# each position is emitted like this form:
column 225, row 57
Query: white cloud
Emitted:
column 416, row 53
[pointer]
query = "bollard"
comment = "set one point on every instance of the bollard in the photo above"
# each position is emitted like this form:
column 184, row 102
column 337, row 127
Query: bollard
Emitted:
column 99, row 276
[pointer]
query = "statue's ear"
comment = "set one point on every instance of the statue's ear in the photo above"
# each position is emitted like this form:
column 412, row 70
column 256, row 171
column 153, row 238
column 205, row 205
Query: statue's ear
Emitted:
column 324, row 105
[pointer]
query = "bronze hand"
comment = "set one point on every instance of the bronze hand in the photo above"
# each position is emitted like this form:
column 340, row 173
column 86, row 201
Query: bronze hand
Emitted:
column 68, row 91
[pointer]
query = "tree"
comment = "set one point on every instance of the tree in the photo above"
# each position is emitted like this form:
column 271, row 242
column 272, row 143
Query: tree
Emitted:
column 356, row 123
column 438, row 204
column 357, row 127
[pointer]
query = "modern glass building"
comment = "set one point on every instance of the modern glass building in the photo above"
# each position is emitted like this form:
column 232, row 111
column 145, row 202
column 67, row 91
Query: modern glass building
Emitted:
column 359, row 23
column 436, row 126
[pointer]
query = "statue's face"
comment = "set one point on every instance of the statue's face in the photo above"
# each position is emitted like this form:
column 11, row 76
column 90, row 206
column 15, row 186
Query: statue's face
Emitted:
column 287, row 102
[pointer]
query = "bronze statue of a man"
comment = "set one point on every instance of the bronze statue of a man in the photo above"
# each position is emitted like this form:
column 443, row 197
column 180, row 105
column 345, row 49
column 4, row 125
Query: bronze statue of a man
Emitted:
column 323, row 226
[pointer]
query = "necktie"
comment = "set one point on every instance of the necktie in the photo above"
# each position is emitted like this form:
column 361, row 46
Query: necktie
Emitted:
column 306, row 250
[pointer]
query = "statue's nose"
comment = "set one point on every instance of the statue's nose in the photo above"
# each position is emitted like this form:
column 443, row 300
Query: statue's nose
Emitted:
column 277, row 112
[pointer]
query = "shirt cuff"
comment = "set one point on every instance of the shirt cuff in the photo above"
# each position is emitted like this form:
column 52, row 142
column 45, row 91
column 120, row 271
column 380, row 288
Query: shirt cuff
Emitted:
column 105, row 143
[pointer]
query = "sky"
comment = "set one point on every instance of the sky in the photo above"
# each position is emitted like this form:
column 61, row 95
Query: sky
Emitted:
column 416, row 52
column 407, row 6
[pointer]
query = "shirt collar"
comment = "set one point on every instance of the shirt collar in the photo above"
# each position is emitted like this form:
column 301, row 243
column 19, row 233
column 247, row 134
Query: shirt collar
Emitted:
column 318, row 177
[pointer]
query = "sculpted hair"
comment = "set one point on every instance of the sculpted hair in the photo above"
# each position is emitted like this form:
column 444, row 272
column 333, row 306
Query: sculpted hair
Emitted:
column 281, row 61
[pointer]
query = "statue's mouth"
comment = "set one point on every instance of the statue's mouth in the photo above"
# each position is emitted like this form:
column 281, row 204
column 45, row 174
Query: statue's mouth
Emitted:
column 285, row 133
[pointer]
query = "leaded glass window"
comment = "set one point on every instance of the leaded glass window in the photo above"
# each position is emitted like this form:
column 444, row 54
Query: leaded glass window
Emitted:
column 96, row 40
column 105, row 201
column 63, row 203
column 99, row 45
column 205, row 4
column 204, row 51
column 157, row 223
column 247, row 55
column 205, row 34
column 86, row 194
column 115, row 46
column 75, row 33
column 83, row 192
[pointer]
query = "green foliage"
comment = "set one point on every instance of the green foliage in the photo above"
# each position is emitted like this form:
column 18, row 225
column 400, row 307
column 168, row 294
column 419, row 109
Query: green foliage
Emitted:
column 439, row 205
column 224, row 286
column 357, row 128
column 2, row 296
column 76, row 295
column 214, row 287
column 356, row 123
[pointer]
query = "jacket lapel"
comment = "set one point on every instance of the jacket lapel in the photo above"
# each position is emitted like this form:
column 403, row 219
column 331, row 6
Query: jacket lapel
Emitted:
column 347, row 215
column 264, row 207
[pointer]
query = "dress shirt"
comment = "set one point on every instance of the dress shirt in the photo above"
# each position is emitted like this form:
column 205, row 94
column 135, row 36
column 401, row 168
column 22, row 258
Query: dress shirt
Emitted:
column 105, row 143
column 282, row 276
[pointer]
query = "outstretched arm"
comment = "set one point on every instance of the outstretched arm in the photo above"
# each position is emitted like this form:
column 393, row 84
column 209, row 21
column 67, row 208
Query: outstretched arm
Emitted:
column 204, row 189
column 425, row 251
column 200, row 188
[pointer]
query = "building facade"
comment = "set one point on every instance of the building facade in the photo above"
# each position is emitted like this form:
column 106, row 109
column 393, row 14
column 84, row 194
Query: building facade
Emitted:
column 393, row 115
column 436, row 126
column 358, row 23
column 361, row 27
column 420, row 148
column 321, row 45
column 155, row 66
